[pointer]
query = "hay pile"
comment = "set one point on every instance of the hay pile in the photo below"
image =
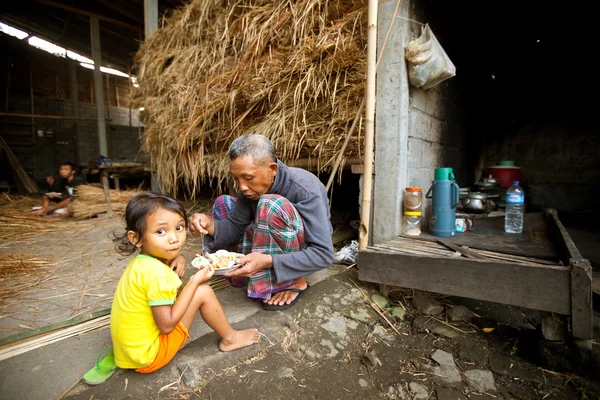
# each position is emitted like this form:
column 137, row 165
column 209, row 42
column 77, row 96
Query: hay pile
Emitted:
column 90, row 201
column 217, row 69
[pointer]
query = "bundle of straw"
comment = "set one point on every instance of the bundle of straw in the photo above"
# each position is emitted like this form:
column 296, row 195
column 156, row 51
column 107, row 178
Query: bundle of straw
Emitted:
column 217, row 69
column 91, row 201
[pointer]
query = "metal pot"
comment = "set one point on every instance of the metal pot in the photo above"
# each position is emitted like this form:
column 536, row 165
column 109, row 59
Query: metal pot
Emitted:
column 475, row 201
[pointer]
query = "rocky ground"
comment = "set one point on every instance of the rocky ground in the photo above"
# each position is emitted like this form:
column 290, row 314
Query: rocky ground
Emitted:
column 345, row 340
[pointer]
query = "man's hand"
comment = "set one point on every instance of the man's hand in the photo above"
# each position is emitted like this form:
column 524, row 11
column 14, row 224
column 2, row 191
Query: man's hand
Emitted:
column 178, row 265
column 202, row 224
column 254, row 263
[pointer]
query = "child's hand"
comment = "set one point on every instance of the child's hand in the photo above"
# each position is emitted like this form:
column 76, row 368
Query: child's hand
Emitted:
column 178, row 265
column 203, row 274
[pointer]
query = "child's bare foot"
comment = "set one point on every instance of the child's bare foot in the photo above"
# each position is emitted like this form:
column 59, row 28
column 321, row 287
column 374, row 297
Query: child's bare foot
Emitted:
column 239, row 339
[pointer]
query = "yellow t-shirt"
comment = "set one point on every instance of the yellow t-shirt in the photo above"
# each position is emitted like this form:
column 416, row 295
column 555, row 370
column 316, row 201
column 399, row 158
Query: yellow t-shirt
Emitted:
column 146, row 282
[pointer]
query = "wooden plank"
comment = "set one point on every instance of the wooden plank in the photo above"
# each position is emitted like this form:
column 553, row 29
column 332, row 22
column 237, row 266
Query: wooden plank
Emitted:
column 489, row 235
column 545, row 288
column 561, row 238
column 581, row 299
column 44, row 330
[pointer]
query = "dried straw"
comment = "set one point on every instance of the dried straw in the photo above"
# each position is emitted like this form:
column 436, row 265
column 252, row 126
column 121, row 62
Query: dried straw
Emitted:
column 20, row 273
column 91, row 201
column 217, row 69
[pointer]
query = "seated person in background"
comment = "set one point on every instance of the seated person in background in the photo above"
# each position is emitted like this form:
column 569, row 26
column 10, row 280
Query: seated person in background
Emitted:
column 60, row 191
column 281, row 220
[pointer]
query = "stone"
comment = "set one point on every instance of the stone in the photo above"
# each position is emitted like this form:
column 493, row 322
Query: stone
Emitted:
column 326, row 301
column 381, row 301
column 397, row 393
column 426, row 323
column 427, row 305
column 553, row 330
column 328, row 344
column 449, row 394
column 446, row 370
column 294, row 347
column 460, row 313
column 480, row 380
column 382, row 333
column 419, row 391
column 362, row 315
column 285, row 373
column 189, row 375
column 398, row 313
column 311, row 356
column 443, row 358
column 363, row 383
column 336, row 324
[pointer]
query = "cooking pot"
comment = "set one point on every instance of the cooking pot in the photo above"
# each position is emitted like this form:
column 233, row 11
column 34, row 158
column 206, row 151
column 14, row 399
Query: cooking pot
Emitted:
column 477, row 201
column 505, row 174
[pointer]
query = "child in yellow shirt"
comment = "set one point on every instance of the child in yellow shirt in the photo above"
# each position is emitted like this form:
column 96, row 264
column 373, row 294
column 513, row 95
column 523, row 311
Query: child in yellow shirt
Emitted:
column 149, row 323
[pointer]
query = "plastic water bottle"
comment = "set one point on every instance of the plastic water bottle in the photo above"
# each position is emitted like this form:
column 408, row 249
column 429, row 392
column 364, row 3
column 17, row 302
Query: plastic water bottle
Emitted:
column 515, row 208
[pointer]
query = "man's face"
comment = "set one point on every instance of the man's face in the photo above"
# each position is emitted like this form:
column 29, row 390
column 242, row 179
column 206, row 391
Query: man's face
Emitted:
column 65, row 171
column 253, row 180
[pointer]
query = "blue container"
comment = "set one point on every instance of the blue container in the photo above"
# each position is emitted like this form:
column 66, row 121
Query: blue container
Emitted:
column 445, row 196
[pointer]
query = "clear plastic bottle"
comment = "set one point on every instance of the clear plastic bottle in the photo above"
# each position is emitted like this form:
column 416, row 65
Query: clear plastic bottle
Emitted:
column 515, row 209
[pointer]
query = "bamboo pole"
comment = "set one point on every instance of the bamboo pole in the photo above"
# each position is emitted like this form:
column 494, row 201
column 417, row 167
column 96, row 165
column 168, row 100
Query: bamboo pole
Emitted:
column 365, row 216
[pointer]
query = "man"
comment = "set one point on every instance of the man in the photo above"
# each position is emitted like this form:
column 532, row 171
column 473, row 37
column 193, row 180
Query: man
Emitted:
column 281, row 216
column 61, row 191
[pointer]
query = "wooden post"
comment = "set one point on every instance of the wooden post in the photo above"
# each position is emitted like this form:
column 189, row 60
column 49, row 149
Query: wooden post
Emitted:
column 108, row 130
column 32, row 119
column 98, row 90
column 365, row 218
column 106, row 186
column 75, row 108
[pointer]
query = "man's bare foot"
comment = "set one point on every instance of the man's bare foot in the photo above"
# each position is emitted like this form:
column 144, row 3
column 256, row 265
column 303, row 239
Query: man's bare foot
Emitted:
column 239, row 339
column 285, row 296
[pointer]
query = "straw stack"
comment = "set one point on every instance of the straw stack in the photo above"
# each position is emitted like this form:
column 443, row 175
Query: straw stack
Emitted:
column 217, row 69
column 90, row 201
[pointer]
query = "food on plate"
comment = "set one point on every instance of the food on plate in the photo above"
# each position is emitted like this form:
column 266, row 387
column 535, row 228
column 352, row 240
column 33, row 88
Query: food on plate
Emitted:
column 221, row 259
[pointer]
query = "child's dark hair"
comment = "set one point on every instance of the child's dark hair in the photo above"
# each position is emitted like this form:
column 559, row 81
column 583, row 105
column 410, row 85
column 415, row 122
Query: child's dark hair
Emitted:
column 136, row 214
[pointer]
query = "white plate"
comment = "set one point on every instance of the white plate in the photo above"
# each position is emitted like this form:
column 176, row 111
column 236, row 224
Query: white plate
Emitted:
column 223, row 271
column 203, row 261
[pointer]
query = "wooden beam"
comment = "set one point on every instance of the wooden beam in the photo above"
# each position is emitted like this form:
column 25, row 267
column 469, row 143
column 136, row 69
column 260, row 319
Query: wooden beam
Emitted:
column 5, row 114
column 546, row 288
column 89, row 14
column 120, row 10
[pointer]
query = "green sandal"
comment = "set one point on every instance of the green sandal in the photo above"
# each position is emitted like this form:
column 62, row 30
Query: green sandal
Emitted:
column 103, row 369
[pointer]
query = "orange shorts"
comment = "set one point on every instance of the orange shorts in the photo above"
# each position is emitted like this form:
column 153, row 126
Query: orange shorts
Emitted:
column 168, row 346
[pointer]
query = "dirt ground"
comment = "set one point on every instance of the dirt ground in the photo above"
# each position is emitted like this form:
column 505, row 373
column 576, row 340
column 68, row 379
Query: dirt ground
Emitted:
column 333, row 344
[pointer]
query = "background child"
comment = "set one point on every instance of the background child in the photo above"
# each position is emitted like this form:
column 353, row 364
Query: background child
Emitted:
column 149, row 322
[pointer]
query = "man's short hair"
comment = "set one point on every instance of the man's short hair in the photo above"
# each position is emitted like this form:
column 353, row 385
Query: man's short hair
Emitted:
column 70, row 164
column 258, row 146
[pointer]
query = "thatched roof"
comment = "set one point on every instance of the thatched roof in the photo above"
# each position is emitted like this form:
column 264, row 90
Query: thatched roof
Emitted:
column 293, row 71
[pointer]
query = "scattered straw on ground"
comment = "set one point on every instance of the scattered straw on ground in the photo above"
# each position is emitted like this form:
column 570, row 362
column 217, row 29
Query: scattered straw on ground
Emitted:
column 20, row 273
column 292, row 71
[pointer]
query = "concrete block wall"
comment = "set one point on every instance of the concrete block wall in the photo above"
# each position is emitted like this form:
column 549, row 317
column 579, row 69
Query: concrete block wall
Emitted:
column 560, row 167
column 437, row 138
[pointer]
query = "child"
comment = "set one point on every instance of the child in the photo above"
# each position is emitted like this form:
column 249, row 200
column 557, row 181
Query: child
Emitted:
column 149, row 322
